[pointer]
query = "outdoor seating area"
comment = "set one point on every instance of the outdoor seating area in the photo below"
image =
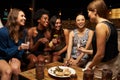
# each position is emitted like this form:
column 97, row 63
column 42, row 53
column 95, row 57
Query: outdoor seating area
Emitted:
column 31, row 74
column 60, row 40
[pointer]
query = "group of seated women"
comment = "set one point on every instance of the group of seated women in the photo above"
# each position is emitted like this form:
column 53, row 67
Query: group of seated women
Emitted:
column 48, row 41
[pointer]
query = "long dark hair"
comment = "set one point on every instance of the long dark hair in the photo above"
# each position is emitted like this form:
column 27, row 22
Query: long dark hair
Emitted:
column 52, row 25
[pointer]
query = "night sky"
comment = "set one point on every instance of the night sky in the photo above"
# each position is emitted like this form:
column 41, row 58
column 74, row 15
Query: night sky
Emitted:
column 68, row 8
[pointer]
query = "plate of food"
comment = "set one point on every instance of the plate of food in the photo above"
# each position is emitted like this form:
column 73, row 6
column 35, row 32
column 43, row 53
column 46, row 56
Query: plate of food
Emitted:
column 61, row 71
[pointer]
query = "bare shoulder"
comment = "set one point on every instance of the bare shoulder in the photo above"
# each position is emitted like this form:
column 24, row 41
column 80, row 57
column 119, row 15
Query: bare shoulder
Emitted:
column 101, row 28
column 66, row 30
column 72, row 33
column 91, row 31
column 32, row 30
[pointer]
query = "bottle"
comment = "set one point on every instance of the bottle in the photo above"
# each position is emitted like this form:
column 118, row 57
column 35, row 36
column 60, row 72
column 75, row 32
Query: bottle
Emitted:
column 118, row 76
column 106, row 74
column 88, row 75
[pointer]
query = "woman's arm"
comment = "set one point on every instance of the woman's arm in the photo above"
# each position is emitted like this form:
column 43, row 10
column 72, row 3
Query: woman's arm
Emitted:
column 7, row 45
column 86, row 51
column 66, row 33
column 34, row 47
column 70, row 43
column 101, row 42
column 88, row 44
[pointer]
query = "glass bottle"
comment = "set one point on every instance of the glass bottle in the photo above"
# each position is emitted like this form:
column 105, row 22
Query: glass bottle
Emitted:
column 48, row 57
column 40, row 65
column 88, row 75
column 106, row 74
column 118, row 76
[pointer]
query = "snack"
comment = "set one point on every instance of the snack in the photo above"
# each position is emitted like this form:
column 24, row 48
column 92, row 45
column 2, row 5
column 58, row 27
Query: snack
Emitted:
column 66, row 72
column 62, row 72
column 59, row 73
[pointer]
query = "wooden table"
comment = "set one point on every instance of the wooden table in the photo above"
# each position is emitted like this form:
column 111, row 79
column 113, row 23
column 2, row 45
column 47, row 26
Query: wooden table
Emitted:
column 30, row 74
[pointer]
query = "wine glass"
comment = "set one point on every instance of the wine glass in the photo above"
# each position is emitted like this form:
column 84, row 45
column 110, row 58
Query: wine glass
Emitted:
column 27, row 41
column 78, row 46
column 46, row 54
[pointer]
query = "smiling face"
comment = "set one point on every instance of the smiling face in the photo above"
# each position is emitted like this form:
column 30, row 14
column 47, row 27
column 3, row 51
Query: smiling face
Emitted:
column 92, row 16
column 21, row 18
column 44, row 20
column 80, row 21
column 58, row 24
column 97, row 9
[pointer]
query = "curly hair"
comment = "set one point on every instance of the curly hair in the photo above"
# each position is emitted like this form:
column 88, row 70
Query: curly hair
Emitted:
column 38, row 14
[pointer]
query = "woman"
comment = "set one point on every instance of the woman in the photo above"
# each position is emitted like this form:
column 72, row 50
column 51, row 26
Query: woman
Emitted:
column 105, row 44
column 39, row 35
column 81, row 36
column 11, row 46
column 59, row 39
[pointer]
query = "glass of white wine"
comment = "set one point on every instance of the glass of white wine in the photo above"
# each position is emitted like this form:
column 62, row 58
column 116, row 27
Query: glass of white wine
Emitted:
column 27, row 41
column 78, row 46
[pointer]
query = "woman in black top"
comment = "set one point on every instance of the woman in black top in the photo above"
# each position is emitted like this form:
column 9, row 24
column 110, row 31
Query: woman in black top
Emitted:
column 105, row 44
column 59, row 39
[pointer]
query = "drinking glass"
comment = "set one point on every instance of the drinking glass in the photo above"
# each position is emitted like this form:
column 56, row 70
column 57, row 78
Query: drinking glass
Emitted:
column 48, row 57
column 78, row 43
column 27, row 41
column 39, row 70
column 78, row 46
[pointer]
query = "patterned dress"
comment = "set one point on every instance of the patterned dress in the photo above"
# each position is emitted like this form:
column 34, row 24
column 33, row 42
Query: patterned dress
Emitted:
column 79, row 41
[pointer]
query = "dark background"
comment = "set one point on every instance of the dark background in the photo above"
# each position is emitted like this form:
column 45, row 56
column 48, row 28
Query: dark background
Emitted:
column 68, row 8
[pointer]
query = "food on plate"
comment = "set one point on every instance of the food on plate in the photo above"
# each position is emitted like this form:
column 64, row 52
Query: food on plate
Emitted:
column 62, row 72
column 59, row 73
column 67, row 72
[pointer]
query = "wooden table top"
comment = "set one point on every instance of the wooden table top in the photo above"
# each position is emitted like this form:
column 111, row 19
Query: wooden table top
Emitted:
column 30, row 74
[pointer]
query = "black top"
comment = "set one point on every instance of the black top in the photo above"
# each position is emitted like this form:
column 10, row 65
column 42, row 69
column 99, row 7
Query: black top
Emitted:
column 41, row 47
column 61, row 37
column 111, row 48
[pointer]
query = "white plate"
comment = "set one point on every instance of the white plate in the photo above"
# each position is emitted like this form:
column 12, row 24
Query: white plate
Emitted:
column 51, row 71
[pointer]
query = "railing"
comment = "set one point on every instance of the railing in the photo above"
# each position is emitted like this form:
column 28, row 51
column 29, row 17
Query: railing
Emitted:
column 70, row 24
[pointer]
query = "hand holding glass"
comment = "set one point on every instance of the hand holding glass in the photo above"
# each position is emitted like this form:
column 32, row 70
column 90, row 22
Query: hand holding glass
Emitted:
column 27, row 41
column 78, row 46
